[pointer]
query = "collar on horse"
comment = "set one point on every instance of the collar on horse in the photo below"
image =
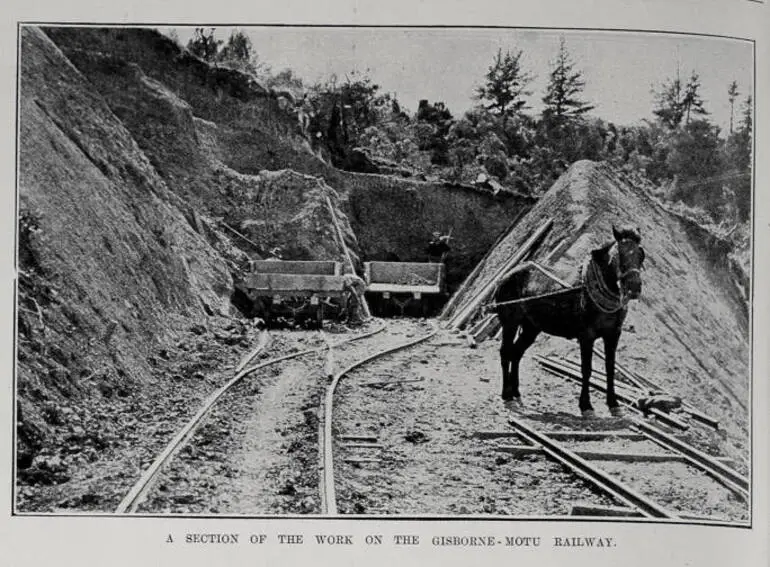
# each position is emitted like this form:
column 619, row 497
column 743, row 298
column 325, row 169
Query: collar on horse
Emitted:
column 592, row 280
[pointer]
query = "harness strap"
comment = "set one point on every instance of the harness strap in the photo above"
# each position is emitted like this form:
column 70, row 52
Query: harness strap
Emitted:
column 605, row 300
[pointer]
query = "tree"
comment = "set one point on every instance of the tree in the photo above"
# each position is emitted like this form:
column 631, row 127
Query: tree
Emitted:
column 562, row 102
column 691, row 101
column 747, row 119
column 732, row 94
column 436, row 113
column 506, row 85
column 738, row 158
column 203, row 44
column 694, row 159
column 237, row 48
column 669, row 103
column 676, row 103
column 239, row 53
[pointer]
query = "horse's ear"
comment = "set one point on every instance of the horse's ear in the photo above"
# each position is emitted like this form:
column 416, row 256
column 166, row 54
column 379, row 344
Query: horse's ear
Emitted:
column 626, row 231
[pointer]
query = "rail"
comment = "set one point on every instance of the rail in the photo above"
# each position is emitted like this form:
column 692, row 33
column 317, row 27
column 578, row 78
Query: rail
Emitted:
column 328, row 491
column 141, row 488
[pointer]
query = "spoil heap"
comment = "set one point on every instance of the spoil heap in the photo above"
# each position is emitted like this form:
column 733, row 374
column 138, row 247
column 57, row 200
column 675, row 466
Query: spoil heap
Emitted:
column 688, row 331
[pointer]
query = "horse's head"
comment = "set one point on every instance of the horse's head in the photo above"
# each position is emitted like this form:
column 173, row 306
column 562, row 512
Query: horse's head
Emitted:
column 620, row 263
column 628, row 261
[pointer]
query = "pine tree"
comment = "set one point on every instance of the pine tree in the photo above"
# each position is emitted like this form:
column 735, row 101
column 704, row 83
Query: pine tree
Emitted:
column 562, row 102
column 506, row 85
column 747, row 121
column 237, row 48
column 692, row 102
column 239, row 53
column 204, row 45
column 669, row 103
column 732, row 94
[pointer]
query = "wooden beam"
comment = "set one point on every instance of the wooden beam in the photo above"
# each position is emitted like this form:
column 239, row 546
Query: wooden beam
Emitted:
column 604, row 511
column 550, row 274
column 494, row 434
column 486, row 327
column 489, row 330
column 631, row 457
column 481, row 323
column 568, row 435
column 465, row 313
column 451, row 305
column 519, row 450
column 594, row 435
column 340, row 235
column 370, row 438
column 362, row 445
column 623, row 457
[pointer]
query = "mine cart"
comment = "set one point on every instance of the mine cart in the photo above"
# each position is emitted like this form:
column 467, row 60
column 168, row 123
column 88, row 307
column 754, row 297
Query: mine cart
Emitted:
column 298, row 290
column 400, row 284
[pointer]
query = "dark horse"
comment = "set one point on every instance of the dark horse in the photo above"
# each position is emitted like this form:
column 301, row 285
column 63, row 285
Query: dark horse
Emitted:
column 595, row 308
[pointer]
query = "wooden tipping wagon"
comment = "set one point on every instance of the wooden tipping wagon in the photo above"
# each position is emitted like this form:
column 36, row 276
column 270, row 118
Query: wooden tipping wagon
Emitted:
column 400, row 284
column 297, row 290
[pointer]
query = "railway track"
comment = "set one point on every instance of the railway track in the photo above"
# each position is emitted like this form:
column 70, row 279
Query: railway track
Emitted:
column 633, row 441
column 326, row 439
column 634, row 430
column 139, row 491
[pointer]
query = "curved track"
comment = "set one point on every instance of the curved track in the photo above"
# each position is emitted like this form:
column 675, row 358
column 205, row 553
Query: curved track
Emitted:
column 328, row 492
column 139, row 491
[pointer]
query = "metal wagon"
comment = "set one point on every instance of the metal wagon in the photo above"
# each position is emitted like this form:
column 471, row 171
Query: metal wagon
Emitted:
column 302, row 291
column 400, row 284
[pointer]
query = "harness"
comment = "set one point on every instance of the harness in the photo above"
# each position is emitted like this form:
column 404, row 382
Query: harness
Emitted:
column 591, row 284
column 592, row 280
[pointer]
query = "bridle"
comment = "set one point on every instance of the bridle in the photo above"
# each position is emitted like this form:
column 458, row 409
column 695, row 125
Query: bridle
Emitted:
column 605, row 299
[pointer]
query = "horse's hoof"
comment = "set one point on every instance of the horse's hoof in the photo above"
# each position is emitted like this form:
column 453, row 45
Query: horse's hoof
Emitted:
column 617, row 411
column 589, row 414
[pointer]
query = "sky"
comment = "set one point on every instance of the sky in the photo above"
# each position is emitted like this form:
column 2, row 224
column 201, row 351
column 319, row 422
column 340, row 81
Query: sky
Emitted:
column 447, row 64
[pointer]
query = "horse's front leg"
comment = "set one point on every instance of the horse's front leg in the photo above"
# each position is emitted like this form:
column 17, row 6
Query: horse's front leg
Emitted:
column 610, row 347
column 510, row 390
column 586, row 354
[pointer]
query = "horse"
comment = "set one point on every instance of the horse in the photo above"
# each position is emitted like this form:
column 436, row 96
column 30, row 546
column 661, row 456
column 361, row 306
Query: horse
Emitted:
column 594, row 308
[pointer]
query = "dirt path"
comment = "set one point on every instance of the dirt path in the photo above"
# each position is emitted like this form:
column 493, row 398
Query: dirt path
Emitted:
column 286, row 407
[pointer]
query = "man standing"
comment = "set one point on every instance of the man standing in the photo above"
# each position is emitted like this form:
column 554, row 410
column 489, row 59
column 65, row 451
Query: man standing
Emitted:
column 355, row 287
column 438, row 247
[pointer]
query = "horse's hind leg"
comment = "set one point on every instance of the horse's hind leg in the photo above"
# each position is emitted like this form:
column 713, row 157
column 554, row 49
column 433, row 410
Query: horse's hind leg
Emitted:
column 586, row 355
column 610, row 346
column 524, row 340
